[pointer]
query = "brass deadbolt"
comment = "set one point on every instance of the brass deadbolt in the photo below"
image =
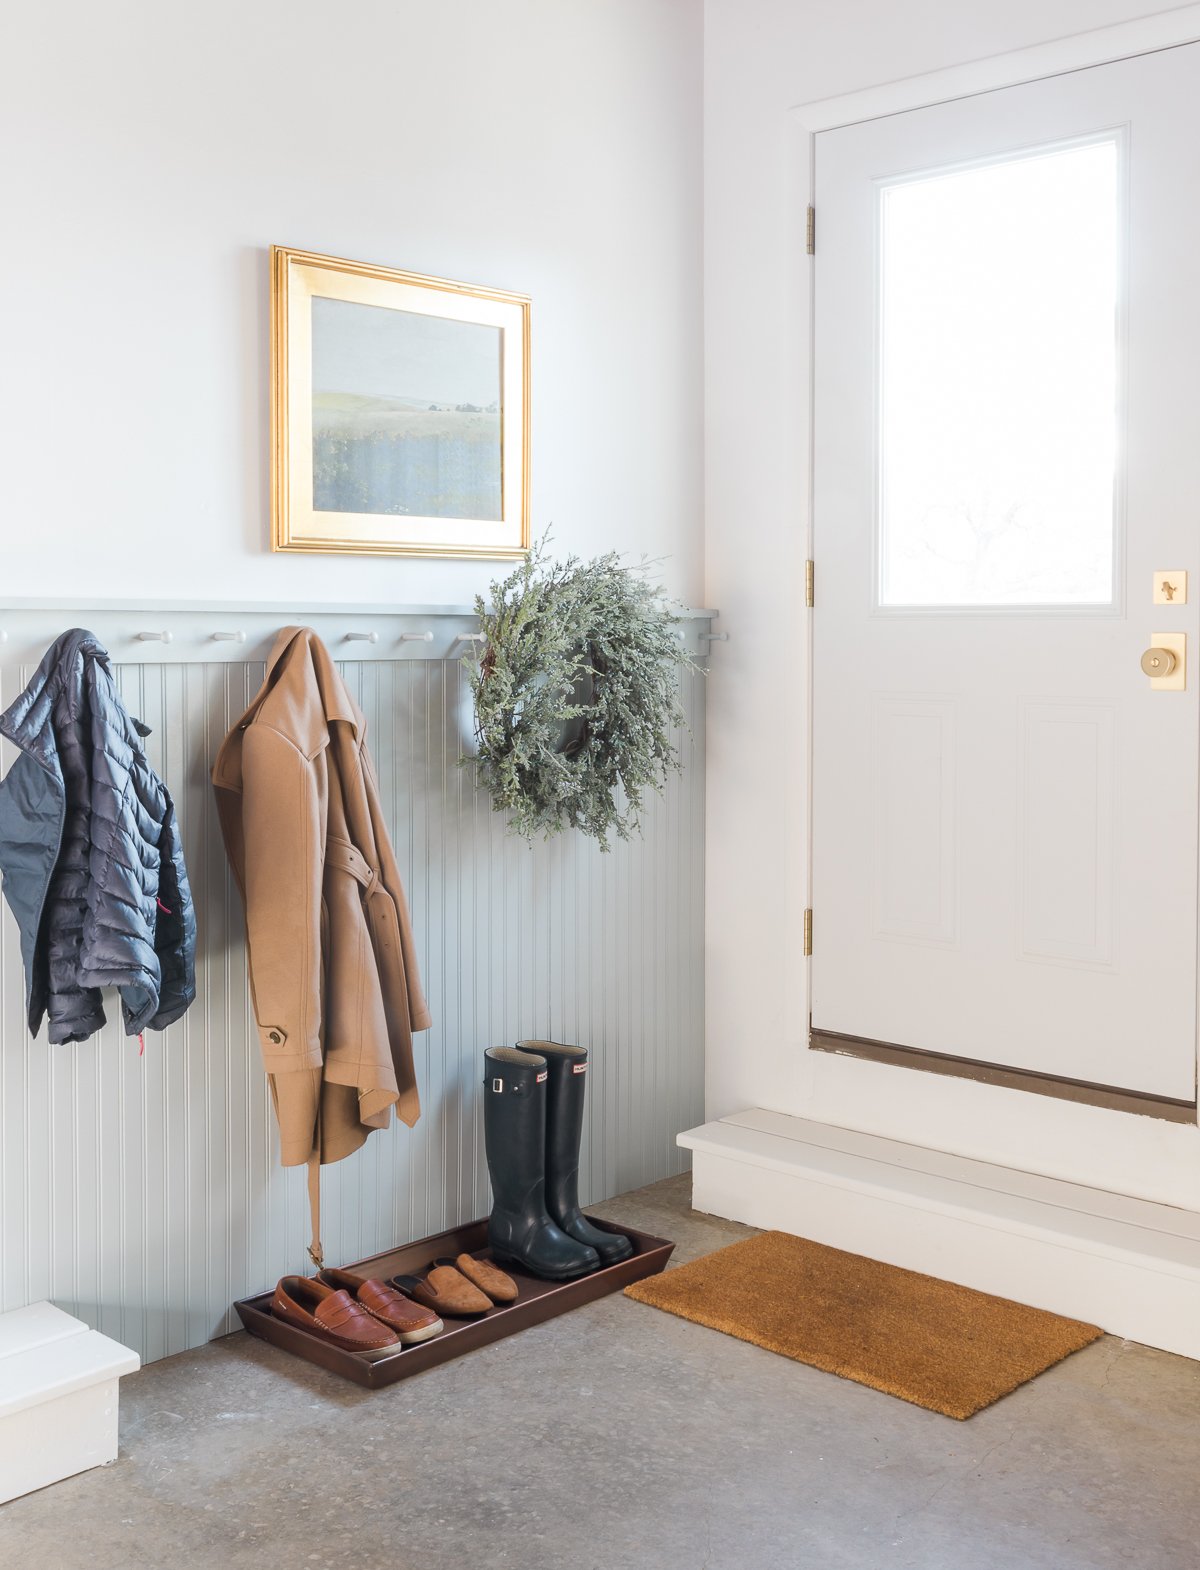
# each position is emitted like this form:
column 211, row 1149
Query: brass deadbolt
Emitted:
column 1159, row 662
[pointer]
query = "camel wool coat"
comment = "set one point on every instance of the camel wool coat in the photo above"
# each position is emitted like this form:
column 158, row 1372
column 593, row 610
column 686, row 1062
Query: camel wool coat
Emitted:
column 333, row 970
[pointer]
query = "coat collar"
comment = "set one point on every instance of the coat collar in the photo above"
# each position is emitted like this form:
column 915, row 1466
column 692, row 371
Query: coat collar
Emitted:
column 302, row 696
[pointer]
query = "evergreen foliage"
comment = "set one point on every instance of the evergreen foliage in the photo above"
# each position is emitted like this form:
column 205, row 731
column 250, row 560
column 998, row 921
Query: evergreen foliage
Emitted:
column 576, row 695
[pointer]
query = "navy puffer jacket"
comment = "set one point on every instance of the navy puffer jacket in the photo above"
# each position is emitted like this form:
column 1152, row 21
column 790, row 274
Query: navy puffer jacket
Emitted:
column 90, row 854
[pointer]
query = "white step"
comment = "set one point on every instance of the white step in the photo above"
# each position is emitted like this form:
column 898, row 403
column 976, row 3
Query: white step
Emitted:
column 1128, row 1265
column 59, row 1384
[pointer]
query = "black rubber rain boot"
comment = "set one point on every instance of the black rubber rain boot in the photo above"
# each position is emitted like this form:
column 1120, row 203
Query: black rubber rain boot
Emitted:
column 514, row 1126
column 564, row 1130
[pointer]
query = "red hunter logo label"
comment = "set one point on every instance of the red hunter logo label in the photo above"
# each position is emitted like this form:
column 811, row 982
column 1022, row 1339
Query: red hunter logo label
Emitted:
column 545, row 1074
column 578, row 1068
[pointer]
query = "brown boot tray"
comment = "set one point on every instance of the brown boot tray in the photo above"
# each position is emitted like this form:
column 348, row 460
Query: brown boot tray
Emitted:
column 536, row 1301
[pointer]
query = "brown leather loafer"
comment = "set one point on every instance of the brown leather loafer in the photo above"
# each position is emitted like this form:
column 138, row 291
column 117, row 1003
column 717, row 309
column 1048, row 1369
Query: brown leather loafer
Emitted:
column 483, row 1274
column 409, row 1320
column 333, row 1316
column 446, row 1291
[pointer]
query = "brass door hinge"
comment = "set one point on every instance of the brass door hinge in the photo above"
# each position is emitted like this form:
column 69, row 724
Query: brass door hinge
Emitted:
column 810, row 583
column 810, row 230
column 808, row 932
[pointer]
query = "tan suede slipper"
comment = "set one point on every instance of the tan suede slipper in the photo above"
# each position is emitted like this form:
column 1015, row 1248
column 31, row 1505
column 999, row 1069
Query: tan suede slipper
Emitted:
column 499, row 1287
column 446, row 1291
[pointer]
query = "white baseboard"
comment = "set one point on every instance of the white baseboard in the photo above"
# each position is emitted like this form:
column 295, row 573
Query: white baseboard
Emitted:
column 59, row 1384
column 1128, row 1265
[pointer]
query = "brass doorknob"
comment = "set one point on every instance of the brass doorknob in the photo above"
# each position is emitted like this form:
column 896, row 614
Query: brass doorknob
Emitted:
column 1159, row 662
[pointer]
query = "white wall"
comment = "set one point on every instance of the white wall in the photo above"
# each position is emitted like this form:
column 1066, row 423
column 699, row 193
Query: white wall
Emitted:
column 154, row 151
column 763, row 57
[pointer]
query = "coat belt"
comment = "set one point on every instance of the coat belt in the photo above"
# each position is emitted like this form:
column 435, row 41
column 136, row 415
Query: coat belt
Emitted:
column 342, row 855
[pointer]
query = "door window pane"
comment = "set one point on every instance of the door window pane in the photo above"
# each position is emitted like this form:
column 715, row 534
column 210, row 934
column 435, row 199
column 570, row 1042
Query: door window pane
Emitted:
column 998, row 365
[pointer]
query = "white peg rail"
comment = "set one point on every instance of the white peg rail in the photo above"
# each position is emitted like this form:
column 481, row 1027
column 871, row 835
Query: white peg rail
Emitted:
column 187, row 631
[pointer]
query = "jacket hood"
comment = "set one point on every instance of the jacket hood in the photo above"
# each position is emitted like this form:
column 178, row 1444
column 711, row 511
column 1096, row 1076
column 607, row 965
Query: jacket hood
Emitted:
column 27, row 721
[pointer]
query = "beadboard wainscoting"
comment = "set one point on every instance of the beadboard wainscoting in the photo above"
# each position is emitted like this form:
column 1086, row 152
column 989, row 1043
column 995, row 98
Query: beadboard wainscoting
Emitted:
column 143, row 1193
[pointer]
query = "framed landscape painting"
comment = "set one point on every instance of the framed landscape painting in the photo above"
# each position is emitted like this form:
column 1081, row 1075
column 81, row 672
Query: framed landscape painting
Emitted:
column 399, row 411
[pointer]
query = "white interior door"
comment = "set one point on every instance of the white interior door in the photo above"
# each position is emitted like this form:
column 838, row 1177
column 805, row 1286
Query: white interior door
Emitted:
column 1006, row 452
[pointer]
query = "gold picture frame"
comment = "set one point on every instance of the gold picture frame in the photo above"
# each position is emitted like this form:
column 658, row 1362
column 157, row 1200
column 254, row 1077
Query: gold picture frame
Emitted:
column 384, row 439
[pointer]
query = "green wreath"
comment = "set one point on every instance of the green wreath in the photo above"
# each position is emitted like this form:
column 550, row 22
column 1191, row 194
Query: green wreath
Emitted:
column 576, row 695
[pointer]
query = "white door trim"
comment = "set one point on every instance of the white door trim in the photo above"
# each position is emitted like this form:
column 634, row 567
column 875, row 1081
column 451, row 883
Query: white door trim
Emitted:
column 1059, row 1139
column 1099, row 46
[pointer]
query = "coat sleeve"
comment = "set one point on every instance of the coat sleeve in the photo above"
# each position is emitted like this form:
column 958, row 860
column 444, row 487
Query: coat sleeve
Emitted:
column 175, row 928
column 283, row 829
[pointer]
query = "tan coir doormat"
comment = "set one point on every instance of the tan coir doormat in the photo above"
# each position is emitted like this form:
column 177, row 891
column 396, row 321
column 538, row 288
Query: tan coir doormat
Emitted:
column 941, row 1346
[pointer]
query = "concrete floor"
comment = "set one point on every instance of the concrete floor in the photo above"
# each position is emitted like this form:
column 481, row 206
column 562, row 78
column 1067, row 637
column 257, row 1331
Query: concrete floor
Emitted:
column 620, row 1437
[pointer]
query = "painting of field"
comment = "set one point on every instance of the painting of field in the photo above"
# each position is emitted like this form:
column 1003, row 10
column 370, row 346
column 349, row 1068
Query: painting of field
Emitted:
column 406, row 415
